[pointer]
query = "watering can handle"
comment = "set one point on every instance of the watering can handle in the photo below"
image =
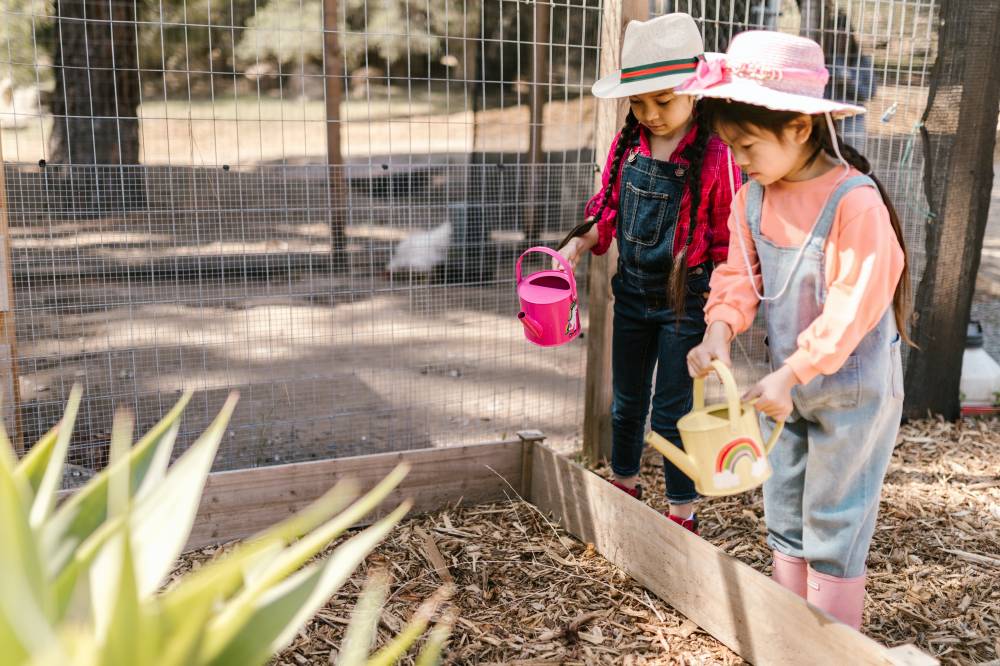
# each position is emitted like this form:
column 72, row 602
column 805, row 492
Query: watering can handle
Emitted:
column 728, row 383
column 552, row 253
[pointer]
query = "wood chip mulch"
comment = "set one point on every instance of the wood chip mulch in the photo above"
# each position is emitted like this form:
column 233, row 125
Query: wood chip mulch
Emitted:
column 934, row 567
column 527, row 594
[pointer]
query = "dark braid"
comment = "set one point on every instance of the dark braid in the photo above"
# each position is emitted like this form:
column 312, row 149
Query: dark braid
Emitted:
column 626, row 137
column 901, row 299
column 695, row 156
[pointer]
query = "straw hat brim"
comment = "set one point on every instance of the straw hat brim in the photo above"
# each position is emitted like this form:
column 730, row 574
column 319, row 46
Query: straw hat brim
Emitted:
column 750, row 92
column 611, row 87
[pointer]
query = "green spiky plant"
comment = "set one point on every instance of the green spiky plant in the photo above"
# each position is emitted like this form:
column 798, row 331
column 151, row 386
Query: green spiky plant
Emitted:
column 83, row 582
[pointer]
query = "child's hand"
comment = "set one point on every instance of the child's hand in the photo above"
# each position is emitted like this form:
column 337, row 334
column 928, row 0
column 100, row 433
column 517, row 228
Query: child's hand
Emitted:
column 774, row 393
column 574, row 249
column 715, row 346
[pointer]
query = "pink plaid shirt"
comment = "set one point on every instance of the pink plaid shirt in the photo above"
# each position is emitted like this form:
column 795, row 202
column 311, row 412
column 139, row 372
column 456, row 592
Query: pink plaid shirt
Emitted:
column 711, row 234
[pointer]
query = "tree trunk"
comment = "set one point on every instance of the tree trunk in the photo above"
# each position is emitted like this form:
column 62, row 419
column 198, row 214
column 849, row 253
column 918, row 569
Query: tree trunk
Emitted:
column 959, row 132
column 95, row 103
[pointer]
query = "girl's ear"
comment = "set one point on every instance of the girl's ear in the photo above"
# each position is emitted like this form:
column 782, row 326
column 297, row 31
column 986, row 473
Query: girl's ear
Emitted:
column 799, row 129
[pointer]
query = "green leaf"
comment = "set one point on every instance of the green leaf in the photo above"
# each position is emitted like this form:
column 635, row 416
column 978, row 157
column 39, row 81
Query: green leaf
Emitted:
column 307, row 547
column 268, row 620
column 45, row 496
column 402, row 643
column 360, row 635
column 31, row 469
column 115, row 597
column 161, row 522
column 86, row 509
column 118, row 481
column 431, row 654
column 24, row 625
column 221, row 578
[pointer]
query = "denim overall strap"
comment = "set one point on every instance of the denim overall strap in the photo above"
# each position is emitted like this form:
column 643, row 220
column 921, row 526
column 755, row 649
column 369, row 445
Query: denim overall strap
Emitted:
column 755, row 202
column 825, row 223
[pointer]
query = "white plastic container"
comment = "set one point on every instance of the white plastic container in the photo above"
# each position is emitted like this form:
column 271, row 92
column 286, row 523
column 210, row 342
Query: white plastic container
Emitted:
column 980, row 383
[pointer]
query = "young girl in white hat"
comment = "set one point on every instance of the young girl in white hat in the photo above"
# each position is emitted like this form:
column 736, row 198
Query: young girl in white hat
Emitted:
column 815, row 237
column 665, row 195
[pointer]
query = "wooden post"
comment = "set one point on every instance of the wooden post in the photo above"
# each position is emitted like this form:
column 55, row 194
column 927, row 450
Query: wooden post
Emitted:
column 597, row 400
column 529, row 438
column 533, row 213
column 333, row 78
column 959, row 131
column 10, row 393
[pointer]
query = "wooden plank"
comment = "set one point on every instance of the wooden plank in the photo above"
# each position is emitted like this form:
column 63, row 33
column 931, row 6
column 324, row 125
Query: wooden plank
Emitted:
column 10, row 394
column 240, row 503
column 610, row 116
column 747, row 611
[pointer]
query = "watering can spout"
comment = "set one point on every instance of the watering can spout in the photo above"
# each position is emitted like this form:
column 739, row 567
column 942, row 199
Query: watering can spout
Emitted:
column 530, row 325
column 673, row 454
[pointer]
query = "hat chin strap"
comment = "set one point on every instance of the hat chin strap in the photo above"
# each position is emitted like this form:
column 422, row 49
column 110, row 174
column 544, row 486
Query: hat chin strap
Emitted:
column 836, row 144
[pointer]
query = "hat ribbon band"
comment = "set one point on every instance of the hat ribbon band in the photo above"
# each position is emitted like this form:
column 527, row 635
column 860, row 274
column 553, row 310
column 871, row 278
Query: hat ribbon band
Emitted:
column 658, row 69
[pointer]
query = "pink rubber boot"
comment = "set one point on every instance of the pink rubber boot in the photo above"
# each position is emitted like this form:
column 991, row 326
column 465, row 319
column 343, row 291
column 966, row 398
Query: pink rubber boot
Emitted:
column 843, row 598
column 790, row 572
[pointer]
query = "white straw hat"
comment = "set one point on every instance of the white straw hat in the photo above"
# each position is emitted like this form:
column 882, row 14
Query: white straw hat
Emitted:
column 775, row 70
column 656, row 54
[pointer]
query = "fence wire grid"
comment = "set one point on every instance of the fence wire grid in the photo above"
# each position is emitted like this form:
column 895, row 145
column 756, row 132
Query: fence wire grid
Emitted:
column 319, row 203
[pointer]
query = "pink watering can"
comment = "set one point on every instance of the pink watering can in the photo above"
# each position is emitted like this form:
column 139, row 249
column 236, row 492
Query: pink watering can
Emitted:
column 549, row 310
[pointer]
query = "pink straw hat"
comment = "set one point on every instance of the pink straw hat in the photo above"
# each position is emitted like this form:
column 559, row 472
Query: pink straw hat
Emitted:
column 771, row 69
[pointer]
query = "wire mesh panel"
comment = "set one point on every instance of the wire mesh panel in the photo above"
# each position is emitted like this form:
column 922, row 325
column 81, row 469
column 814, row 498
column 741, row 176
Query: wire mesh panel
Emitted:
column 319, row 203
column 316, row 202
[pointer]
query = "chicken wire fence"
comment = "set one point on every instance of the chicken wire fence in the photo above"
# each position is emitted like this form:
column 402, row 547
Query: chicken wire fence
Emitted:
column 319, row 203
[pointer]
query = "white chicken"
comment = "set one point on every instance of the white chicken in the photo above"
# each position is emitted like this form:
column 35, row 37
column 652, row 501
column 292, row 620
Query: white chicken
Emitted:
column 18, row 106
column 421, row 252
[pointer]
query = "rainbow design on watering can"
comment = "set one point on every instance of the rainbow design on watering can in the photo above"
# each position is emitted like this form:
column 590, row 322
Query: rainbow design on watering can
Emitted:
column 738, row 450
column 724, row 452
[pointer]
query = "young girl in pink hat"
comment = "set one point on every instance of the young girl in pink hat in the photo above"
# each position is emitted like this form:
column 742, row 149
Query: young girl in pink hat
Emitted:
column 665, row 195
column 816, row 239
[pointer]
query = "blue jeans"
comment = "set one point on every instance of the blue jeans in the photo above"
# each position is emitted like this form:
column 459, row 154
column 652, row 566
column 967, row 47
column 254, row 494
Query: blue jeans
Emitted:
column 646, row 335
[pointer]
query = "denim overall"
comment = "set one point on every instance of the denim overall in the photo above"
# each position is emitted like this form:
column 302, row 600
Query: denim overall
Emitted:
column 646, row 333
column 821, row 502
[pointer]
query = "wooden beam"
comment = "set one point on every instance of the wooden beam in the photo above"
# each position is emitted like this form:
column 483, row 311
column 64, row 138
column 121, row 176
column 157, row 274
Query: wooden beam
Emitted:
column 333, row 75
column 240, row 503
column 959, row 132
column 10, row 392
column 610, row 115
column 744, row 609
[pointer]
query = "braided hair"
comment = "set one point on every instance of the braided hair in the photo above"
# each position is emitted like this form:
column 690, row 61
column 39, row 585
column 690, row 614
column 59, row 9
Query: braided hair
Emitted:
column 747, row 117
column 694, row 153
column 626, row 137
column 901, row 299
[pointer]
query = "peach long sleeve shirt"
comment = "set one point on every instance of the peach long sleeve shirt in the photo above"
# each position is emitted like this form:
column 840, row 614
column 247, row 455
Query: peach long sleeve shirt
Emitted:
column 863, row 264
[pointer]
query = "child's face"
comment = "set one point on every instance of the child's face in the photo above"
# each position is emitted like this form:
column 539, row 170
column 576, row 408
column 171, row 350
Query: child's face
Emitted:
column 662, row 112
column 767, row 157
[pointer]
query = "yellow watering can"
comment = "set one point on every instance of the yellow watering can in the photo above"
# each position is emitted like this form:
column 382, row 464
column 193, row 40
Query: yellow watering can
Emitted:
column 723, row 450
